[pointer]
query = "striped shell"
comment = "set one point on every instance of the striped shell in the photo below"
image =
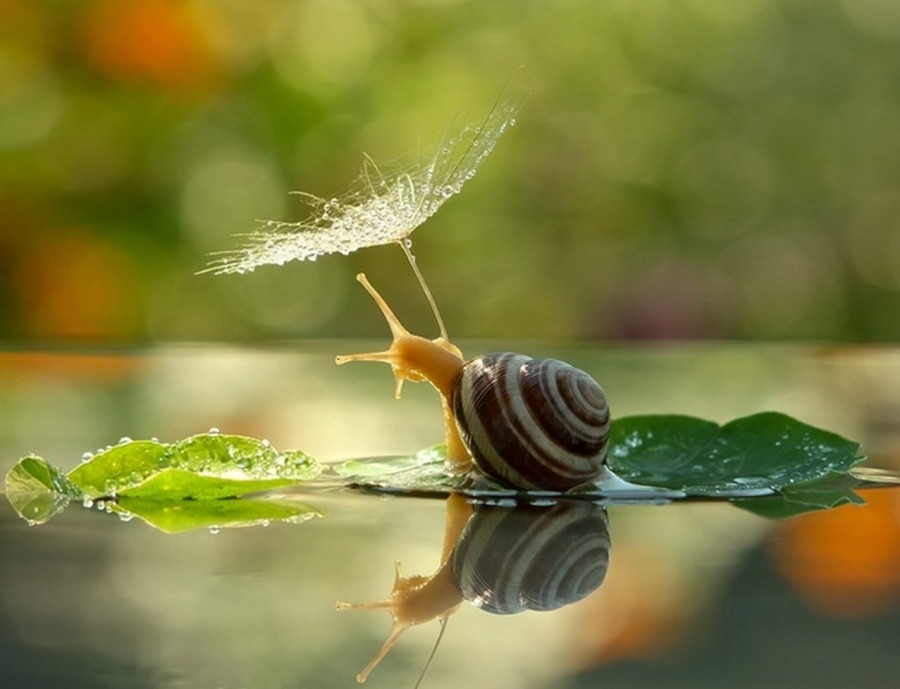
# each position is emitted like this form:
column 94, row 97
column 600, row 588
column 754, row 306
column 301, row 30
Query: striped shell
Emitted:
column 533, row 424
column 511, row 559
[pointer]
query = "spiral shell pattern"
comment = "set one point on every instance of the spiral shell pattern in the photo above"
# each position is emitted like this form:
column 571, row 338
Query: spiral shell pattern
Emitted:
column 511, row 559
column 533, row 424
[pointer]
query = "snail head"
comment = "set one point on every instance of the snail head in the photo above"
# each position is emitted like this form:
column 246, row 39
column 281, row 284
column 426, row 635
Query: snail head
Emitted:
column 412, row 357
column 416, row 358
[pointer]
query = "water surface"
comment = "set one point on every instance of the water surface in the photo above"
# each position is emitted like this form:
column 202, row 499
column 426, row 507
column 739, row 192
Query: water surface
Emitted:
column 694, row 594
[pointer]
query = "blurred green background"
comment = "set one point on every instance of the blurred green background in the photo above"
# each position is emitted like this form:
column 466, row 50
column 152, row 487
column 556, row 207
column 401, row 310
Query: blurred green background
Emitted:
column 690, row 169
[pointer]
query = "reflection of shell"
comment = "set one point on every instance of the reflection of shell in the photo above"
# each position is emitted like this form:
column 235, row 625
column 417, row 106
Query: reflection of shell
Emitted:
column 532, row 423
column 511, row 559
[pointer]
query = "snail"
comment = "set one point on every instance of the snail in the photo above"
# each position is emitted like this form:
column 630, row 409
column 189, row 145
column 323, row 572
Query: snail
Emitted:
column 503, row 560
column 530, row 424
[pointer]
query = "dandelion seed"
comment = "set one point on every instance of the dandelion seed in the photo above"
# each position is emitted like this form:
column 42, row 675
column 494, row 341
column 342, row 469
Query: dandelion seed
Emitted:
column 379, row 210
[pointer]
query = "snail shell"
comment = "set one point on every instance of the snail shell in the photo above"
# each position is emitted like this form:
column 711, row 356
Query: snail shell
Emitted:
column 531, row 423
column 512, row 559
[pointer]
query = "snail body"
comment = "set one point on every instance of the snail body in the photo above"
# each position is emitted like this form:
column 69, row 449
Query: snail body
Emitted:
column 530, row 424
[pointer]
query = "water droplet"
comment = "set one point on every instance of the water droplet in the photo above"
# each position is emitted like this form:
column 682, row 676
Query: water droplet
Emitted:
column 125, row 439
column 214, row 431
column 88, row 503
column 214, row 530
column 125, row 516
column 266, row 443
column 87, row 456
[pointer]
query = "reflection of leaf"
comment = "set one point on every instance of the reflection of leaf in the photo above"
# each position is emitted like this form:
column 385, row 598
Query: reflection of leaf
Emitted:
column 823, row 494
column 184, row 515
column 37, row 491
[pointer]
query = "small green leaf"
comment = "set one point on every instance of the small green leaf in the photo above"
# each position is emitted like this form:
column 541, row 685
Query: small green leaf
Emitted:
column 121, row 466
column 176, row 487
column 186, row 515
column 37, row 490
column 202, row 467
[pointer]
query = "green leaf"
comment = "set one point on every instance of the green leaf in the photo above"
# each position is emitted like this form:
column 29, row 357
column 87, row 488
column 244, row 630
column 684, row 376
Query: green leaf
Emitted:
column 119, row 467
column 175, row 487
column 186, row 515
column 768, row 451
column 37, row 490
column 209, row 466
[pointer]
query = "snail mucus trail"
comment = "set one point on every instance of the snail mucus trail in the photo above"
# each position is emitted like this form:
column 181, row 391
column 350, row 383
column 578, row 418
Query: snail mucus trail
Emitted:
column 529, row 424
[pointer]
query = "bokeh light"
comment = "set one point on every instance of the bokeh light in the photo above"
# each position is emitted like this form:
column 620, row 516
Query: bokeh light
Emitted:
column 679, row 170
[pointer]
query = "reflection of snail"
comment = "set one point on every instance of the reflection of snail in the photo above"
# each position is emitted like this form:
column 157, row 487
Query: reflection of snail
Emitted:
column 503, row 560
column 527, row 423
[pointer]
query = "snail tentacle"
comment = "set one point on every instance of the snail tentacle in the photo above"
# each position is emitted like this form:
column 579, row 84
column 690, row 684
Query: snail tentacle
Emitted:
column 416, row 358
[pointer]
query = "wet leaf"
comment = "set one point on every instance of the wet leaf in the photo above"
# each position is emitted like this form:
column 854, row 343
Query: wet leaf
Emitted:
column 37, row 490
column 209, row 466
column 764, row 451
column 121, row 466
column 176, row 487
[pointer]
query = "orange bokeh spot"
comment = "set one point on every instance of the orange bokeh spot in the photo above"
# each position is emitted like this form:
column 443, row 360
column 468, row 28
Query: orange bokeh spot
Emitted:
column 158, row 41
column 95, row 367
column 78, row 285
column 845, row 562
